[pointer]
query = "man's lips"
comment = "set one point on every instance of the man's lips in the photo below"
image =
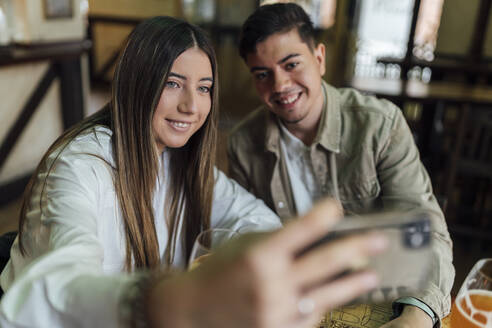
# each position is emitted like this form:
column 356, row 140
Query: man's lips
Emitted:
column 287, row 100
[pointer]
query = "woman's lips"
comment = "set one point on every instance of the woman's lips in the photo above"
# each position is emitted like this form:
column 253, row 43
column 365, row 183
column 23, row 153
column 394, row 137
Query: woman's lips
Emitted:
column 179, row 125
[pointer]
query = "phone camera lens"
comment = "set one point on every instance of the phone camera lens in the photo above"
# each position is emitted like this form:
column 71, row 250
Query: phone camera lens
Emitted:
column 416, row 240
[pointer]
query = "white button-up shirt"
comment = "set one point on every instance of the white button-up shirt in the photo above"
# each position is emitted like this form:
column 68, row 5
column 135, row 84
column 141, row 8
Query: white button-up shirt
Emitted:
column 306, row 189
column 73, row 273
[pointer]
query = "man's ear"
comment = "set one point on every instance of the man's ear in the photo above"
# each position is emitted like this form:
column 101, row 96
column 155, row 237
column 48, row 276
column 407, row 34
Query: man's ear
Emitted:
column 319, row 54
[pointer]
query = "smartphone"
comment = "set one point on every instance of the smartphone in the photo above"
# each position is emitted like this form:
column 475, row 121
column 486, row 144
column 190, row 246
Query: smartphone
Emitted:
column 404, row 268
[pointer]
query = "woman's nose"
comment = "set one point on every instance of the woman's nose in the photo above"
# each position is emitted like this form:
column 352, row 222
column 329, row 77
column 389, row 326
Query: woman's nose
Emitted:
column 188, row 103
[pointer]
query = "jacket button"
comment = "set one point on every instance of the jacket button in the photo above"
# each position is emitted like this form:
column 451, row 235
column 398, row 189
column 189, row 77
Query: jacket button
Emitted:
column 281, row 204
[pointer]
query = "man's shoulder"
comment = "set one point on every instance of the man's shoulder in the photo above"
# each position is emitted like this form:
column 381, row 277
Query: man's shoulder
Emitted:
column 352, row 100
column 252, row 128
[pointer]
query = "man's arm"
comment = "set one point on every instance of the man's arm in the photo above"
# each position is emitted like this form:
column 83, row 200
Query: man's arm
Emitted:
column 405, row 184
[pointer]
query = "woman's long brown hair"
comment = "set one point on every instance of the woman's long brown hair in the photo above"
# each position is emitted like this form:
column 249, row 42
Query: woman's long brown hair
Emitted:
column 138, row 83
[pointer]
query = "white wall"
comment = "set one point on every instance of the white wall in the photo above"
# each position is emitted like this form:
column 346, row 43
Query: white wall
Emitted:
column 27, row 23
column 16, row 85
column 457, row 24
column 133, row 8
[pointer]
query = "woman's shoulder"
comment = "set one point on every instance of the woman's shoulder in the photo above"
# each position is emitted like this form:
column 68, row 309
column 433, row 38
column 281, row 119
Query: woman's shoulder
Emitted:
column 96, row 138
column 92, row 142
column 88, row 151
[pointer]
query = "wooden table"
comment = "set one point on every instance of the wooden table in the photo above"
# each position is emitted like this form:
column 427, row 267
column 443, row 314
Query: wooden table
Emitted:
column 363, row 316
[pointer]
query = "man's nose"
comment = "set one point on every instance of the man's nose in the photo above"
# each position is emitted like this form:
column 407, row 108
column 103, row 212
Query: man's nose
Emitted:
column 281, row 82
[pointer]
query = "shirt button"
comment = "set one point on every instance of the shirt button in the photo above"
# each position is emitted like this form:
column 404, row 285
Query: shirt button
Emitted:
column 281, row 204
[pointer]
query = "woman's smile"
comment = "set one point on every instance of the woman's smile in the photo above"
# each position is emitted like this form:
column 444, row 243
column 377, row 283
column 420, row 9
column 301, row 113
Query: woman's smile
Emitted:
column 185, row 100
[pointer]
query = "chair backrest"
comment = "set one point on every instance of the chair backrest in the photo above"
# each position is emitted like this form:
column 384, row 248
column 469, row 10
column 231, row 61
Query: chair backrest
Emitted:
column 6, row 241
column 480, row 147
column 475, row 158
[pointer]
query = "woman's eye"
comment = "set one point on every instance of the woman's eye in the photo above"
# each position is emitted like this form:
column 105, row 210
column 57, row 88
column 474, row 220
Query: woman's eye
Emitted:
column 172, row 84
column 204, row 89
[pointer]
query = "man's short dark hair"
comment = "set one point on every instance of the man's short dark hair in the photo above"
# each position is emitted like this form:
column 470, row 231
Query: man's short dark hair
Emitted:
column 271, row 19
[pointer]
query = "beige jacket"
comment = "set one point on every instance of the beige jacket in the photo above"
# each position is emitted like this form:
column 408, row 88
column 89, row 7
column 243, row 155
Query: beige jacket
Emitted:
column 364, row 154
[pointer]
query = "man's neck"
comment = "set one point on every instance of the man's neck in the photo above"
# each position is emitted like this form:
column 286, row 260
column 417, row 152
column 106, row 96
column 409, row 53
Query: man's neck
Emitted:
column 305, row 133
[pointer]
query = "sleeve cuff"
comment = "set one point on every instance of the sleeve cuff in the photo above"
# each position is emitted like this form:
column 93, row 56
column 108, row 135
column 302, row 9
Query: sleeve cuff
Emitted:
column 399, row 303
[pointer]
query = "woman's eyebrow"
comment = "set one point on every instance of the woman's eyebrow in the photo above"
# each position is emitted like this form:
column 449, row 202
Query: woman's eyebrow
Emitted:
column 179, row 76
column 182, row 77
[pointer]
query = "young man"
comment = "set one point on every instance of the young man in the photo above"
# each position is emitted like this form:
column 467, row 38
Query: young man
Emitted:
column 310, row 140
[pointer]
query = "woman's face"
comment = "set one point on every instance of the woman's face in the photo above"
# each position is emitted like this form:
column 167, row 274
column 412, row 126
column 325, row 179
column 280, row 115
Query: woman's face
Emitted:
column 185, row 100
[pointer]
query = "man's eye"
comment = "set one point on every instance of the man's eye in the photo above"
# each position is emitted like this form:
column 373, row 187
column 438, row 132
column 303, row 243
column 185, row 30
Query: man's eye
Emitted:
column 171, row 84
column 261, row 76
column 292, row 65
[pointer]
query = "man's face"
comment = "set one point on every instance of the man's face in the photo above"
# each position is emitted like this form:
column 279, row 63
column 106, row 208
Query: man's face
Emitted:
column 287, row 75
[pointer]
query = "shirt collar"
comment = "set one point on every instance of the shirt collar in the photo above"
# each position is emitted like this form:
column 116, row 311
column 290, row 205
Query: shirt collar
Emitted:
column 295, row 145
column 272, row 132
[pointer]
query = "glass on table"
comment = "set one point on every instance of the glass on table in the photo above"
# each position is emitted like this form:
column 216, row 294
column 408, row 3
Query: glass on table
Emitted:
column 473, row 305
column 206, row 242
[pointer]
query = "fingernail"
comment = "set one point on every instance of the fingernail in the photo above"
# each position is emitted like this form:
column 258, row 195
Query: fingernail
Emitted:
column 371, row 280
column 359, row 263
column 378, row 242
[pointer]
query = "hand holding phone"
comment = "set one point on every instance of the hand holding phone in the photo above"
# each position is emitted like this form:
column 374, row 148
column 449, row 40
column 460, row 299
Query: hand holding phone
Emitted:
column 405, row 267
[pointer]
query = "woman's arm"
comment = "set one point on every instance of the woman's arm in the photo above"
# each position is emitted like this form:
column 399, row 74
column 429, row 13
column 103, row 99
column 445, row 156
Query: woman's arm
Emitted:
column 237, row 209
column 257, row 281
column 60, row 282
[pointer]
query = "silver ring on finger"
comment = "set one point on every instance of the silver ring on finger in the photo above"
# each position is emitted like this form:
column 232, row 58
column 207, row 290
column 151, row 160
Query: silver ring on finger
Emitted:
column 305, row 306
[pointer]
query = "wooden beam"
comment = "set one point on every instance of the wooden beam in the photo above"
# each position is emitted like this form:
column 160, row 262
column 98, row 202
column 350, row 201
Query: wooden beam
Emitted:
column 71, row 91
column 410, row 43
column 481, row 24
column 26, row 114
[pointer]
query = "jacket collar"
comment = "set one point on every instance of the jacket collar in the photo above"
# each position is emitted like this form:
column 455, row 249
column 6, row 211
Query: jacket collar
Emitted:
column 329, row 129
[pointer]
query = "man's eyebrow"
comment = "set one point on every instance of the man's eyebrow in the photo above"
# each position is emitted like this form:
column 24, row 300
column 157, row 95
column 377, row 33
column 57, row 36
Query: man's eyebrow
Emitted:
column 286, row 58
column 281, row 61
column 182, row 77
column 258, row 68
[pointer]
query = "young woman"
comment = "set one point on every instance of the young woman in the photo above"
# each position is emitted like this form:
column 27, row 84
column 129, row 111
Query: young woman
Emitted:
column 126, row 192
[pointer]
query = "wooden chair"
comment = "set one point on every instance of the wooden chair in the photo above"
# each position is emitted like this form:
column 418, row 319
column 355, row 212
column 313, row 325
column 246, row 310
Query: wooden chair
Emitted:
column 6, row 241
column 469, row 187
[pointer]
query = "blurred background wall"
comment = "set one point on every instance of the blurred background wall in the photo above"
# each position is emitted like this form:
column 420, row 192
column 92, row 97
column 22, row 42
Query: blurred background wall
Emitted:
column 357, row 33
column 57, row 59
column 457, row 28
